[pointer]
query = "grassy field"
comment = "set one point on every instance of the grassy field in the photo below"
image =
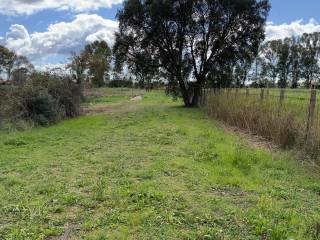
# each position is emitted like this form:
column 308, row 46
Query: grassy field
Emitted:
column 295, row 100
column 150, row 170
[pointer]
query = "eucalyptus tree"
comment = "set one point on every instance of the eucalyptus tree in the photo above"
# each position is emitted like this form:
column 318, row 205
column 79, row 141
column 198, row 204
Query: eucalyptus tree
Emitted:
column 99, row 56
column 14, row 66
column 270, row 59
column 7, row 61
column 295, row 61
column 284, row 62
column 241, row 70
column 310, row 52
column 21, row 69
column 188, row 38
column 3, row 51
column 78, row 66
column 138, row 59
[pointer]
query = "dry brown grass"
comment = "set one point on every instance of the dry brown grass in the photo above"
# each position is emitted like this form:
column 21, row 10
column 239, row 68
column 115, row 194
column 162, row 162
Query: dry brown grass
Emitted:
column 283, row 124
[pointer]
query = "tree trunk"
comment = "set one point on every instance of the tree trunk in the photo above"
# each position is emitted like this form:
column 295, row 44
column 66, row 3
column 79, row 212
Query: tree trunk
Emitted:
column 191, row 94
column 196, row 96
column 186, row 97
column 185, row 93
column 9, row 74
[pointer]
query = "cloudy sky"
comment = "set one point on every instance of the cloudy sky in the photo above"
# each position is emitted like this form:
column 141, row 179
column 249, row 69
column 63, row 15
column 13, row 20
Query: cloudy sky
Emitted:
column 46, row 31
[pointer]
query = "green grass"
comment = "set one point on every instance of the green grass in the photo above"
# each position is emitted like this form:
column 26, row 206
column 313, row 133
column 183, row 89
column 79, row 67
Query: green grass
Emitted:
column 109, row 99
column 155, row 171
column 295, row 100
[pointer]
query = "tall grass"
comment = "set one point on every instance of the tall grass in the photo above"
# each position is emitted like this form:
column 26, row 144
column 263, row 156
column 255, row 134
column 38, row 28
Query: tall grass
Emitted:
column 282, row 122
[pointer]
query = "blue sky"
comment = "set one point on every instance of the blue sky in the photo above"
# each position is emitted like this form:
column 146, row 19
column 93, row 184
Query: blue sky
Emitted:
column 47, row 31
column 286, row 11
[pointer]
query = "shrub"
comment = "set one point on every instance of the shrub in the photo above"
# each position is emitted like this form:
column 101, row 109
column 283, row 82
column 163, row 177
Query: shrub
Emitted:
column 42, row 100
column 41, row 110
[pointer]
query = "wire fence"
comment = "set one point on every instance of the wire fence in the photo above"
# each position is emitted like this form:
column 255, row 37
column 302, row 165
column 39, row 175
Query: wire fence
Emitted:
column 289, row 117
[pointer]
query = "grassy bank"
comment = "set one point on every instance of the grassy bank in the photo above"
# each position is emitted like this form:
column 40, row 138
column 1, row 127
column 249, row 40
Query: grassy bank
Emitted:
column 150, row 170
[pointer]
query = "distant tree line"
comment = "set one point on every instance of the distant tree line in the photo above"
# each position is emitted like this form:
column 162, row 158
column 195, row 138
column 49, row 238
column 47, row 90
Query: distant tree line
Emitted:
column 290, row 62
column 14, row 67
column 94, row 65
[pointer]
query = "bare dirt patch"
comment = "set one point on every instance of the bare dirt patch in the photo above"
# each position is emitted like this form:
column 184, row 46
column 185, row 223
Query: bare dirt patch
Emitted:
column 254, row 141
column 96, row 109
column 136, row 99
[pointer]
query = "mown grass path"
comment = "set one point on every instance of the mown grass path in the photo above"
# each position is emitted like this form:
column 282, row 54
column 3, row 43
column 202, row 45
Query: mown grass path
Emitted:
column 153, row 170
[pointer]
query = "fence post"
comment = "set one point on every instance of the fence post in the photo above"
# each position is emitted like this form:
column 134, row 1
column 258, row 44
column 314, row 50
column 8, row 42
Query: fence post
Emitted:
column 262, row 94
column 247, row 92
column 282, row 92
column 309, row 123
column 201, row 96
column 205, row 97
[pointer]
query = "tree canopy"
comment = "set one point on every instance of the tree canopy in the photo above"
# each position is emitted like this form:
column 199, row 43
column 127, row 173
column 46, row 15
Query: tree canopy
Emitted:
column 94, row 60
column 189, row 39
column 290, row 62
column 14, row 66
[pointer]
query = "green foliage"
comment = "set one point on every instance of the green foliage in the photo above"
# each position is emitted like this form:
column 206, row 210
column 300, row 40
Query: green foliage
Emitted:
column 42, row 100
column 288, row 61
column 98, row 56
column 15, row 67
column 188, row 38
column 91, row 64
column 41, row 110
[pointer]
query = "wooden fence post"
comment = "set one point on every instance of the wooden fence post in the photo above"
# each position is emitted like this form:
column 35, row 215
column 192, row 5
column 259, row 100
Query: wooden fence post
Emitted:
column 310, row 117
column 282, row 93
column 204, row 97
column 267, row 93
column 247, row 92
column 201, row 96
column 262, row 94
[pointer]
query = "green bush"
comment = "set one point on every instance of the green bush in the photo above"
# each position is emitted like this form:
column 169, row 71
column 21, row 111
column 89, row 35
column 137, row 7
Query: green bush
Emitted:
column 44, row 99
column 42, row 110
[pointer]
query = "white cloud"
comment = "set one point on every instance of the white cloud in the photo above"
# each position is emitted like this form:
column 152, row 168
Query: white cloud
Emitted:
column 56, row 67
column 18, row 39
column 295, row 28
column 60, row 38
column 28, row 7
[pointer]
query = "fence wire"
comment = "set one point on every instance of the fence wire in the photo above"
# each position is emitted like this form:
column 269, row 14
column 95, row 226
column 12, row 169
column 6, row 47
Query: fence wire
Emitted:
column 289, row 117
